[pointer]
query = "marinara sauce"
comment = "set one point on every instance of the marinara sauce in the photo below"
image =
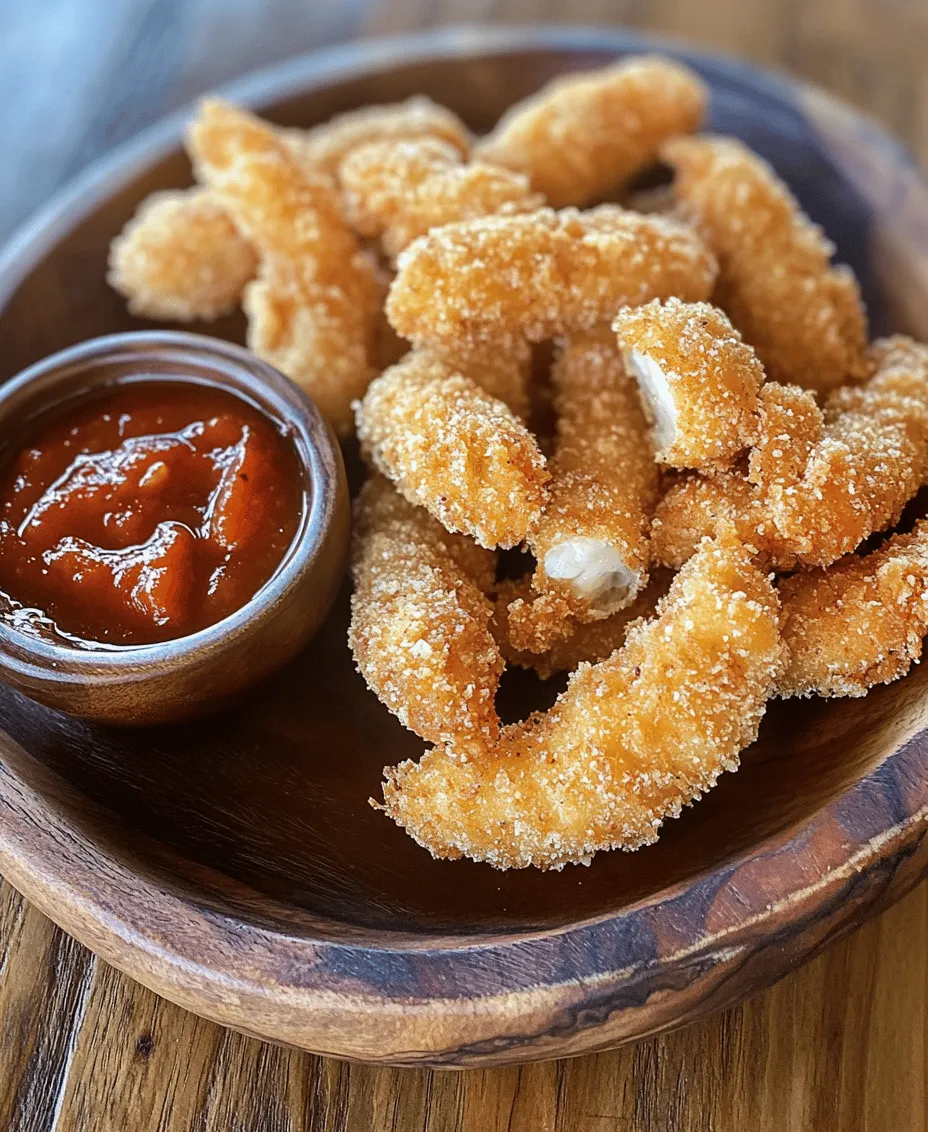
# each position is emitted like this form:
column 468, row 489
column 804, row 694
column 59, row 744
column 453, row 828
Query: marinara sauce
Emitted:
column 147, row 512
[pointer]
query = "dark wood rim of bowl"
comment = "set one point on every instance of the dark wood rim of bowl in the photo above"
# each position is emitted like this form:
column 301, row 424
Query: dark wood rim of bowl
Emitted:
column 444, row 1000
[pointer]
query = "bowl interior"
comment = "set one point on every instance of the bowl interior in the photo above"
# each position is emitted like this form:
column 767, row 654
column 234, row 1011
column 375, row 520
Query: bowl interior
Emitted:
column 273, row 794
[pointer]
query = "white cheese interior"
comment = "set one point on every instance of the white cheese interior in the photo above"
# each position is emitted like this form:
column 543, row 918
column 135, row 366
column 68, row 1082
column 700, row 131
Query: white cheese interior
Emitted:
column 658, row 400
column 595, row 572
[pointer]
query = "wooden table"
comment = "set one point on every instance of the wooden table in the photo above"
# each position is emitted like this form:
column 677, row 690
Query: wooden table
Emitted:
column 836, row 1047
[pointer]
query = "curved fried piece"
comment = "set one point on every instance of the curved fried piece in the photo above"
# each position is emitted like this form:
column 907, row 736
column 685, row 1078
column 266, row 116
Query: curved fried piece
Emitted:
column 630, row 742
column 323, row 148
column 398, row 191
column 502, row 371
column 420, row 623
column 591, row 542
column 180, row 258
column 828, row 481
column 698, row 381
column 858, row 623
column 454, row 450
column 804, row 317
column 582, row 643
column 585, row 134
column 541, row 275
column 695, row 507
column 313, row 312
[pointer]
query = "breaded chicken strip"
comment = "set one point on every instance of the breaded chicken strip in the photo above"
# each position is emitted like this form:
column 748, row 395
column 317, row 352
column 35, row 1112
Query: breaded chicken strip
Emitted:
column 631, row 741
column 420, row 623
column 584, row 134
column 857, row 623
column 313, row 312
column 804, row 317
column 541, row 275
column 453, row 449
column 698, row 381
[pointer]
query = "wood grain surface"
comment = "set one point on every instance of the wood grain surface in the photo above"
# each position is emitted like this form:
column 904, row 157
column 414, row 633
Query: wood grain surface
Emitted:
column 838, row 1046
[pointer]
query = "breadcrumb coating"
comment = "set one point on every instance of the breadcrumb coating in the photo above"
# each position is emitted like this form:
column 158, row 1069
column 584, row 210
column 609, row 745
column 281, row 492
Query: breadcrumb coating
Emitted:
column 420, row 623
column 180, row 258
column 694, row 507
column 630, row 742
column 502, row 371
column 314, row 309
column 325, row 147
column 453, row 449
column 542, row 275
column 591, row 543
column 581, row 643
column 587, row 133
column 829, row 479
column 698, row 381
column 804, row 317
column 398, row 191
column 857, row 623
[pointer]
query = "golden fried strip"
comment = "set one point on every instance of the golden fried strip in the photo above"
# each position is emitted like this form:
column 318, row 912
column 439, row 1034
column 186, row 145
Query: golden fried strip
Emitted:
column 398, row 191
column 698, row 381
column 804, row 317
column 453, row 449
column 591, row 542
column 857, row 623
column 830, row 480
column 585, row 134
column 325, row 147
column 695, row 507
column 630, row 742
column 503, row 372
column 420, row 623
column 541, row 275
column 180, row 258
column 313, row 311
column 582, row 643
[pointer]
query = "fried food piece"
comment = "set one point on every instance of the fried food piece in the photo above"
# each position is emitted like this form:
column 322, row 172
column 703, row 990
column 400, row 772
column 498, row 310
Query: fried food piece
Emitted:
column 698, row 381
column 630, row 742
column 420, row 623
column 587, row 133
column 502, row 371
column 804, row 317
column 323, row 148
column 695, row 507
column 398, row 191
column 541, row 275
column 829, row 479
column 582, row 643
column 313, row 312
column 453, row 449
column 858, row 623
column 180, row 258
column 591, row 542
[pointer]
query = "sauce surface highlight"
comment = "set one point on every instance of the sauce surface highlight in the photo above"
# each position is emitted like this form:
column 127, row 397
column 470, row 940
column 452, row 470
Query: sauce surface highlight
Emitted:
column 147, row 512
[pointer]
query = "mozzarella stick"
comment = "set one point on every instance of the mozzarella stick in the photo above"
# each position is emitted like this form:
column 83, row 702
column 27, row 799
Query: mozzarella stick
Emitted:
column 631, row 741
column 829, row 479
column 591, row 543
column 181, row 259
column 585, row 134
column 541, row 275
column 698, row 381
column 804, row 317
column 420, row 623
column 453, row 449
column 313, row 312
column 398, row 191
column 857, row 623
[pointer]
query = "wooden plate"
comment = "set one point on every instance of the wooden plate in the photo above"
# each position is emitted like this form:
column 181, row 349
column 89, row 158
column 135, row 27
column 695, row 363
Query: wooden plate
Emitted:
column 234, row 865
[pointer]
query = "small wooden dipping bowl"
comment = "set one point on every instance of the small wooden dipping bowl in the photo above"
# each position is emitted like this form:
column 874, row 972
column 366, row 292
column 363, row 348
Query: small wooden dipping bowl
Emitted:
column 154, row 683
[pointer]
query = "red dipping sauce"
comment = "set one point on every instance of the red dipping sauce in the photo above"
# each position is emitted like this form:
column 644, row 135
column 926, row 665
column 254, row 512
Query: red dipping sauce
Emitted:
column 147, row 512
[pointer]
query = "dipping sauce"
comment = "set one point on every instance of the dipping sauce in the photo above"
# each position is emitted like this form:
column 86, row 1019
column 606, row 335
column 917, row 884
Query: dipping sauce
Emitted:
column 147, row 512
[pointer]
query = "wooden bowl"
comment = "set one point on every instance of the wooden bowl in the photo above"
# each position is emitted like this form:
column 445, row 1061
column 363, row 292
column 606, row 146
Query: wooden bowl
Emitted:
column 234, row 865
column 199, row 672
